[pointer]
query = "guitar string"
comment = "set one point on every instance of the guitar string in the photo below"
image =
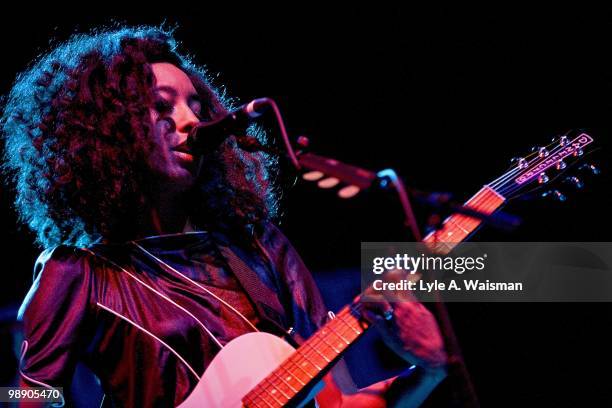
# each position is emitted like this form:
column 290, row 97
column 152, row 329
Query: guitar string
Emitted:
column 489, row 202
column 317, row 340
column 465, row 223
column 512, row 188
column 302, row 354
column 538, row 160
column 558, row 148
column 305, row 356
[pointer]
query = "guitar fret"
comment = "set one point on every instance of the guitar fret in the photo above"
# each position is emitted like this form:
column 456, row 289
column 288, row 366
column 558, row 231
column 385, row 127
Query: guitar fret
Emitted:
column 459, row 226
column 257, row 393
column 261, row 396
column 276, row 400
column 250, row 403
column 331, row 327
column 329, row 344
column 310, row 361
column 317, row 351
column 287, row 376
column 299, row 356
column 343, row 342
column 285, row 382
column 291, row 370
column 341, row 318
column 254, row 401
column 456, row 224
column 260, row 390
column 290, row 360
column 272, row 392
column 322, row 340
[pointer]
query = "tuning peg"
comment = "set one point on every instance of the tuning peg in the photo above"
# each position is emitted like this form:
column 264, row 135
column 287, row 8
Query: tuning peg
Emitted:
column 542, row 152
column 561, row 165
column 594, row 170
column 542, row 178
column 520, row 162
column 556, row 194
column 563, row 141
column 578, row 152
column 575, row 181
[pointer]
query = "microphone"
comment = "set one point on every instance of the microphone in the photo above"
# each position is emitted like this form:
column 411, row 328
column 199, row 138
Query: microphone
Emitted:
column 207, row 136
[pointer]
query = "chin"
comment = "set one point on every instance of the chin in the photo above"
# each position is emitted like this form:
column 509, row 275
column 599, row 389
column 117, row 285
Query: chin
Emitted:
column 176, row 178
column 183, row 181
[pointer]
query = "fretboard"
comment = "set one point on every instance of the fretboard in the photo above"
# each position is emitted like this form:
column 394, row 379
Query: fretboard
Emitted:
column 312, row 359
column 458, row 227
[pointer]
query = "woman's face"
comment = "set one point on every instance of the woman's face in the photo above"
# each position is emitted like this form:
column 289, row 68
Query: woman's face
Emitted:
column 176, row 110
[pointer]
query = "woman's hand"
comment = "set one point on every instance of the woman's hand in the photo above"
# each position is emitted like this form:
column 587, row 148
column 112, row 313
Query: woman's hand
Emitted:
column 406, row 326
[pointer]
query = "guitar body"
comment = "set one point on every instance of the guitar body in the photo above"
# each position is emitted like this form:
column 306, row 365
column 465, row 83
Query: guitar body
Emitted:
column 237, row 369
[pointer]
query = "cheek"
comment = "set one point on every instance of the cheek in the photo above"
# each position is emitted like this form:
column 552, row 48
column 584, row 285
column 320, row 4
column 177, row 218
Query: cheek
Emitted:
column 159, row 156
column 161, row 129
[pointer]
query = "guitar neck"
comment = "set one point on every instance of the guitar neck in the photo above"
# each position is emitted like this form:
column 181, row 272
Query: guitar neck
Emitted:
column 316, row 356
column 311, row 360
column 459, row 227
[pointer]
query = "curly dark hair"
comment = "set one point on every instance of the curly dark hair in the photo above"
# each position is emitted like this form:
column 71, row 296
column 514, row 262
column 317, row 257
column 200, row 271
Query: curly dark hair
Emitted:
column 77, row 136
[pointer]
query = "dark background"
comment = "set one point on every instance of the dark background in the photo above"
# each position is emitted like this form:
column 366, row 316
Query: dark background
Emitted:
column 446, row 95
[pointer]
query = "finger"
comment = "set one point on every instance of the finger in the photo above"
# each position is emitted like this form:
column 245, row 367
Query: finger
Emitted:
column 379, row 310
column 397, row 276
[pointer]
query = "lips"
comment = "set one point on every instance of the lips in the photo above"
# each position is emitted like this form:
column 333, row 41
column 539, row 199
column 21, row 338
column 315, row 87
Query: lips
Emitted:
column 182, row 147
column 183, row 159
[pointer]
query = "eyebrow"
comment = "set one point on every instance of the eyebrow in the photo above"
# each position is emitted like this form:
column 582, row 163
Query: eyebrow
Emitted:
column 173, row 93
column 165, row 88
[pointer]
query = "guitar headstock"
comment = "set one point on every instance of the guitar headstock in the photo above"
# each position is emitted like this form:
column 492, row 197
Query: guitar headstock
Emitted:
column 545, row 166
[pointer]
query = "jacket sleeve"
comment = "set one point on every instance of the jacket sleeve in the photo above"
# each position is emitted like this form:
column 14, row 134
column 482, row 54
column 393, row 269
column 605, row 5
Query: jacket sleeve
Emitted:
column 54, row 315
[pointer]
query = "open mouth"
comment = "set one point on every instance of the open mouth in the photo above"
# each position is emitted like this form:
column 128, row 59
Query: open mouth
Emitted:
column 182, row 148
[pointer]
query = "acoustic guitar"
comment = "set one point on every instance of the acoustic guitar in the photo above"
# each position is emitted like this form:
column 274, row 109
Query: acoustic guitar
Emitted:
column 262, row 370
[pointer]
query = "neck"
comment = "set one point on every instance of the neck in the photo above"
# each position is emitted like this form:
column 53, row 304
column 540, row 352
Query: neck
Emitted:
column 167, row 215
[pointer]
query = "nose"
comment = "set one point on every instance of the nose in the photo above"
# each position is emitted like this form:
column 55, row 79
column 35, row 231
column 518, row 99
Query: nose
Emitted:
column 185, row 119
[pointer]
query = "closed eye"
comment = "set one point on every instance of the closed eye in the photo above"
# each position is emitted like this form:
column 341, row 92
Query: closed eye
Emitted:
column 162, row 106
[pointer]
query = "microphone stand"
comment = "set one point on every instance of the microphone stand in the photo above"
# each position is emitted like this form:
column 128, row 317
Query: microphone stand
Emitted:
column 463, row 394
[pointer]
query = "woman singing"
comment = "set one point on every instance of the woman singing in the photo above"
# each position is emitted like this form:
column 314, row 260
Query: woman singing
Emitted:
column 136, row 281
